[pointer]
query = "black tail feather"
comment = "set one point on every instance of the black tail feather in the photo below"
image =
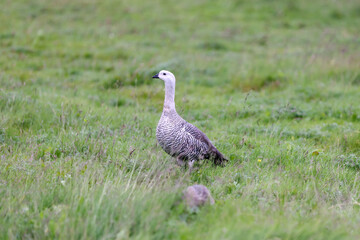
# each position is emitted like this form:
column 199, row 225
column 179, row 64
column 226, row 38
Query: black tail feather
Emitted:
column 218, row 157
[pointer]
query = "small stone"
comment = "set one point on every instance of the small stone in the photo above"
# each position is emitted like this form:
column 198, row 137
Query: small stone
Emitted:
column 197, row 195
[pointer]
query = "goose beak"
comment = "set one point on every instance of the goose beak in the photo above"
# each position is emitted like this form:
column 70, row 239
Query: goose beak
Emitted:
column 156, row 76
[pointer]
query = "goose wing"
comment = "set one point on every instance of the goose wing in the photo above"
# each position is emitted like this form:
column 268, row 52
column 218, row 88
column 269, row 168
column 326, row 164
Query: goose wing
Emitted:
column 197, row 134
column 212, row 152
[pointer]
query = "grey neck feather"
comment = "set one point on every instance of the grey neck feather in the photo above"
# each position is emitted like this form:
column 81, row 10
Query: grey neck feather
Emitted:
column 169, row 103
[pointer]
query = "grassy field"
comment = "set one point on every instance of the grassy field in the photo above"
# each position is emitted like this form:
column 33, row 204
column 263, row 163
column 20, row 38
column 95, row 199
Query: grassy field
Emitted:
column 274, row 84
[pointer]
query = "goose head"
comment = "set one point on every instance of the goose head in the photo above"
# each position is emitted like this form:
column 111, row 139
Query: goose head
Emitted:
column 166, row 76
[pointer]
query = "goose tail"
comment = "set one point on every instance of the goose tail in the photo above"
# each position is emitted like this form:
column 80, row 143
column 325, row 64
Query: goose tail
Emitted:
column 218, row 157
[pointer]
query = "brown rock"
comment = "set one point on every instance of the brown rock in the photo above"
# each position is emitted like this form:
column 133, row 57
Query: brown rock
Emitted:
column 197, row 195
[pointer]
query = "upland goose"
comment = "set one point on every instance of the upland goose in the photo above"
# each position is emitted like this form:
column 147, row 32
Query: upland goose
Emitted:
column 179, row 138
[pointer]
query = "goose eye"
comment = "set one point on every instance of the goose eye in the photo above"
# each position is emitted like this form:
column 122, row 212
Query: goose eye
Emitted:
column 164, row 73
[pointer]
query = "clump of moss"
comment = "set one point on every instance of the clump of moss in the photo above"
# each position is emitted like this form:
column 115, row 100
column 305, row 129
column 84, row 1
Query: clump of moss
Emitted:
column 356, row 80
column 134, row 78
column 351, row 143
column 213, row 46
column 258, row 83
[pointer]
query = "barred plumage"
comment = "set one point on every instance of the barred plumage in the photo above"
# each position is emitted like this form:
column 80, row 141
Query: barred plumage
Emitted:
column 179, row 138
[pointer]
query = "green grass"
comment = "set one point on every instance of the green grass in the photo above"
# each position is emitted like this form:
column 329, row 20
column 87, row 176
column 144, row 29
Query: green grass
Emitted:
column 277, row 81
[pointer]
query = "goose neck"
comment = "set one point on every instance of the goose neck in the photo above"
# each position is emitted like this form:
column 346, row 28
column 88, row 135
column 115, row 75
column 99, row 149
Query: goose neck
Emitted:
column 169, row 102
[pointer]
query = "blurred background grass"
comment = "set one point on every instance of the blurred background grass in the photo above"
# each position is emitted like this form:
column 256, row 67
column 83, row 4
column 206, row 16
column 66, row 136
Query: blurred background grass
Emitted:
column 272, row 80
